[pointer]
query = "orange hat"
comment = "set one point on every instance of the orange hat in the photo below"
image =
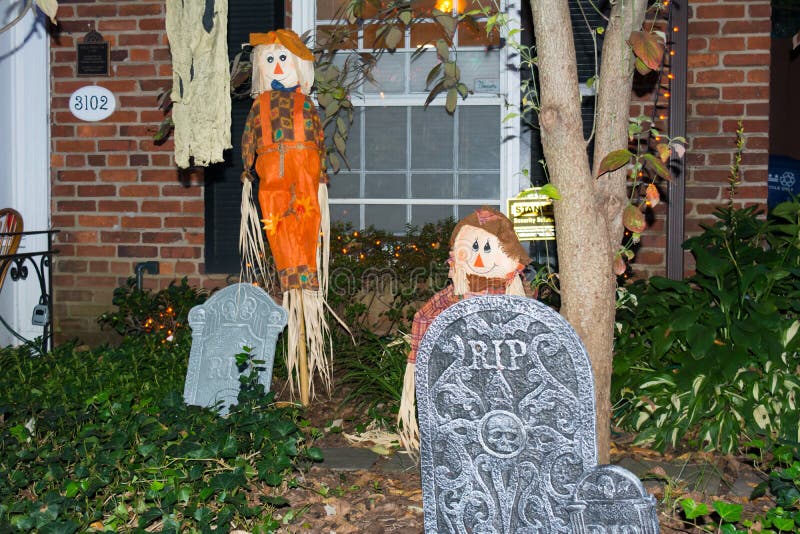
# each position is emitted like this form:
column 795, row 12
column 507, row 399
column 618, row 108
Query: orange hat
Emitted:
column 287, row 38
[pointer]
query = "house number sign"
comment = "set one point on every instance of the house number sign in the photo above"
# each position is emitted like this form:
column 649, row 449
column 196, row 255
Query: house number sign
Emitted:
column 92, row 103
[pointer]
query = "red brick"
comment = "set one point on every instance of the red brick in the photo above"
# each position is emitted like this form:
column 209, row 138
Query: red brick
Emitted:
column 138, row 191
column 74, row 145
column 727, row 11
column 137, row 251
column 702, row 126
column 75, row 160
column 139, row 101
column 152, row 24
column 161, row 206
column 97, row 10
column 120, row 267
column 161, row 54
column 185, row 267
column 119, row 160
column 96, row 160
column 762, row 42
column 65, row 56
column 119, row 86
column 758, row 76
column 118, row 175
column 153, row 116
column 105, row 190
column 719, row 76
column 62, row 130
column 76, row 176
column 116, row 24
column 74, row 236
column 139, row 39
column 140, row 9
column 184, row 222
column 758, row 143
column 117, row 206
column 135, row 130
column 755, row 158
column 161, row 160
column 161, row 237
column 97, row 281
column 76, row 26
column 116, row 145
column 118, row 56
column 96, row 267
column 750, row 126
column 703, row 28
column 720, row 158
column 184, row 252
column 719, row 110
column 96, row 130
column 746, row 92
column 712, row 175
column 141, row 54
column 763, row 11
column 120, row 237
column 703, row 60
column 70, row 266
column 95, row 251
column 724, row 44
column 135, row 71
column 195, row 239
column 141, row 222
column 736, row 27
column 705, row 192
column 746, row 60
column 98, row 221
column 138, row 160
column 75, row 205
column 699, row 93
column 193, row 206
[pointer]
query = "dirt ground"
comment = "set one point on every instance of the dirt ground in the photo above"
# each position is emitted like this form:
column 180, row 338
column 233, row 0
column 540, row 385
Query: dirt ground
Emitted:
column 329, row 501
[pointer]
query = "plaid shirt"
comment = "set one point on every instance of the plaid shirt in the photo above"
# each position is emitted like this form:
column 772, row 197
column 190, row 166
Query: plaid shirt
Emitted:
column 431, row 310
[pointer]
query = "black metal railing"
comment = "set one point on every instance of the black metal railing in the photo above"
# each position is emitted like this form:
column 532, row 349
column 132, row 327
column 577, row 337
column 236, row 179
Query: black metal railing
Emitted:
column 19, row 270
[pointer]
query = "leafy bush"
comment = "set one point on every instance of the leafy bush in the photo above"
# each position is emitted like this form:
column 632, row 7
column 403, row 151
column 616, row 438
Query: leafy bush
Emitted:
column 707, row 359
column 101, row 440
column 162, row 314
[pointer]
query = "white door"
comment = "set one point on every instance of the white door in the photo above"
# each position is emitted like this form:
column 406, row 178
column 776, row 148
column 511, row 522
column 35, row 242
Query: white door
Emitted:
column 24, row 154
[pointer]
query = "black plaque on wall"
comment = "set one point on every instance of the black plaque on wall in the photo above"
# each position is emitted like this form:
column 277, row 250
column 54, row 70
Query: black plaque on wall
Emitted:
column 93, row 55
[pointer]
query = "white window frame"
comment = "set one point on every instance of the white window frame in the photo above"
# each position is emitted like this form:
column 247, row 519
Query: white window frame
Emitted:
column 512, row 181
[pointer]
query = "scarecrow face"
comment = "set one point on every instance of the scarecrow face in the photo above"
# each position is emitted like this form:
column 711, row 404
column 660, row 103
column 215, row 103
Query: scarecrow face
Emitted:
column 479, row 253
column 277, row 63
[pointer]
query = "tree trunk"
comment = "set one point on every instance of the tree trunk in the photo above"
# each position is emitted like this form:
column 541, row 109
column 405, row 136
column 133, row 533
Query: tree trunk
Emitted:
column 613, row 108
column 585, row 253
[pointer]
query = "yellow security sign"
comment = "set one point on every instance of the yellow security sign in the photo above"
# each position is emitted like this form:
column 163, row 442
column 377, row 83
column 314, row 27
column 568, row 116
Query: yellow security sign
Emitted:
column 531, row 211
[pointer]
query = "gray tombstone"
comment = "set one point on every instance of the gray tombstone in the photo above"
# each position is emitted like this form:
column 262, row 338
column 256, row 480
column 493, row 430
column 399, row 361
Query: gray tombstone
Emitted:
column 238, row 316
column 612, row 500
column 507, row 418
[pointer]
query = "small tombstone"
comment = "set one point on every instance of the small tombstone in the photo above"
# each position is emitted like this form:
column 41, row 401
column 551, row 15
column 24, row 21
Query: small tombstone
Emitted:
column 612, row 500
column 507, row 417
column 238, row 316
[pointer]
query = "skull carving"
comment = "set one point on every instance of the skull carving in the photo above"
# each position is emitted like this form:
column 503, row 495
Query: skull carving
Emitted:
column 503, row 434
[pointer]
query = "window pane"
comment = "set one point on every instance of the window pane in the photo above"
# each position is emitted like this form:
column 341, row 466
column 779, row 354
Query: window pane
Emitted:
column 326, row 9
column 389, row 74
column 385, row 135
column 479, row 135
column 385, row 186
column 432, row 185
column 353, row 146
column 479, row 186
column 480, row 71
column 346, row 213
column 386, row 217
column 476, row 35
column 344, row 185
column 421, row 215
column 431, row 138
column 423, row 33
column 421, row 65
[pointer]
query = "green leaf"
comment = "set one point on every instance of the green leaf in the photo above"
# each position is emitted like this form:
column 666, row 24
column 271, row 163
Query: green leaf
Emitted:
column 405, row 17
column 693, row 509
column 443, row 50
column 729, row 512
column 448, row 23
column 393, row 37
column 315, row 454
column 658, row 166
column 648, row 47
column 551, row 191
column 59, row 527
column 452, row 100
column 614, row 161
column 433, row 74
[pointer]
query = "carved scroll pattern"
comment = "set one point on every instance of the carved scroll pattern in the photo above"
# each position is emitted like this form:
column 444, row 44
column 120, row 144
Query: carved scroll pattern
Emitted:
column 507, row 418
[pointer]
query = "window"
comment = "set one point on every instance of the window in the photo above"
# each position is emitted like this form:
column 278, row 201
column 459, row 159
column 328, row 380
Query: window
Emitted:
column 223, row 190
column 410, row 164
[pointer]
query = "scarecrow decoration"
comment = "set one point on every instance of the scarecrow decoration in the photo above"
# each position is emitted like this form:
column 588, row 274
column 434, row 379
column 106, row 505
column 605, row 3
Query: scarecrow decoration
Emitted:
column 486, row 258
column 283, row 137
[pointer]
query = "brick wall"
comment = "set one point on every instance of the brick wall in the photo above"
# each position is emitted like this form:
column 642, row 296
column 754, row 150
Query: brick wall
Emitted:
column 728, row 80
column 119, row 200
column 117, row 197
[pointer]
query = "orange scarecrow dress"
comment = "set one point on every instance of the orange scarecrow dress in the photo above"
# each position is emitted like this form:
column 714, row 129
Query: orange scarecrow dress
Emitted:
column 284, row 131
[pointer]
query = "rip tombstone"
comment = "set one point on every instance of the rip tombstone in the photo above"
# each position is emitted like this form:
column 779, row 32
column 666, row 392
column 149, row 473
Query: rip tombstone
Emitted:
column 238, row 316
column 507, row 423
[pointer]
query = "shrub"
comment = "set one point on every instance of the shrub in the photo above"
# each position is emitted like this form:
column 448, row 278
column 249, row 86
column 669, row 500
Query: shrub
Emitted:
column 714, row 358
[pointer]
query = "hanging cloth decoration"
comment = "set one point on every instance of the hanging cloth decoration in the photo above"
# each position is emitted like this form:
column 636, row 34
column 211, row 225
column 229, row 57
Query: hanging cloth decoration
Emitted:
column 201, row 109
column 486, row 258
column 283, row 137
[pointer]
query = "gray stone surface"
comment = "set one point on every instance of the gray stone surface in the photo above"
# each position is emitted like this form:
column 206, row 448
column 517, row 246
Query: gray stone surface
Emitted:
column 238, row 316
column 506, row 409
column 348, row 458
column 610, row 499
